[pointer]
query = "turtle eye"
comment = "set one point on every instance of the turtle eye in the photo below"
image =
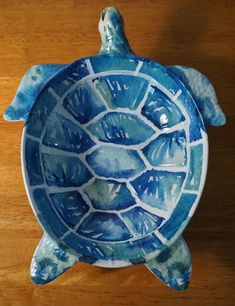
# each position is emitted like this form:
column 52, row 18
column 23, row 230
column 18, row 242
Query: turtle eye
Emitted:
column 103, row 15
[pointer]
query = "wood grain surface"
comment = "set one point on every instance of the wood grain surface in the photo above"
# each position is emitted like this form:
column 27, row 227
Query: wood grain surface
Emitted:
column 192, row 33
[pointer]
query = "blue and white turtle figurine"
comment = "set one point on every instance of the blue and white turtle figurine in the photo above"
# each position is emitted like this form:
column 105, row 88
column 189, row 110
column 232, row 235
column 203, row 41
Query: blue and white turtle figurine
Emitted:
column 114, row 157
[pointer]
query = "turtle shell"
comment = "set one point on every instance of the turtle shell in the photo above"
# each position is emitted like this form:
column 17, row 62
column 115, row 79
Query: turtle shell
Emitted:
column 114, row 155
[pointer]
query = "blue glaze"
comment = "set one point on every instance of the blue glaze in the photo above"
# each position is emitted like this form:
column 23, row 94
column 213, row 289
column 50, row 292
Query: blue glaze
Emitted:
column 105, row 227
column 203, row 93
column 64, row 171
column 113, row 162
column 44, row 267
column 156, row 188
column 33, row 166
column 107, row 195
column 121, row 91
column 167, row 150
column 61, row 254
column 141, row 221
column 173, row 265
column 87, row 248
column 50, row 260
column 83, row 103
column 71, row 75
column 103, row 63
column 159, row 73
column 70, row 206
column 40, row 112
column 179, row 216
column 169, row 80
column 136, row 250
column 31, row 84
column 196, row 124
column 111, row 27
column 195, row 170
column 159, row 109
column 121, row 128
column 47, row 215
column 150, row 244
column 64, row 134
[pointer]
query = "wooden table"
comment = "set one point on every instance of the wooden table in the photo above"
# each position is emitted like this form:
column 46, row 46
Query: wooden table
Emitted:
column 192, row 33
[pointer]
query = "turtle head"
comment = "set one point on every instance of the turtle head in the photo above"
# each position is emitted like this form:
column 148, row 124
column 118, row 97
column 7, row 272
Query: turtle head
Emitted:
column 111, row 27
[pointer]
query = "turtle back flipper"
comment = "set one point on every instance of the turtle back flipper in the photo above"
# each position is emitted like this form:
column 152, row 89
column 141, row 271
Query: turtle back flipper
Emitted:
column 49, row 261
column 30, row 85
column 173, row 265
column 203, row 93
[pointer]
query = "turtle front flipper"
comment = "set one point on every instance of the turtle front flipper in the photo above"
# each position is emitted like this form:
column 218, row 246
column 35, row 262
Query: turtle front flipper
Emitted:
column 30, row 85
column 49, row 261
column 173, row 265
column 203, row 93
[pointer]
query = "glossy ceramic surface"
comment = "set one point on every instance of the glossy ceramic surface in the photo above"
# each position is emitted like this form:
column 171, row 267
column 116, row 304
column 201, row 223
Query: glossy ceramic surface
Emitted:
column 114, row 155
column 117, row 157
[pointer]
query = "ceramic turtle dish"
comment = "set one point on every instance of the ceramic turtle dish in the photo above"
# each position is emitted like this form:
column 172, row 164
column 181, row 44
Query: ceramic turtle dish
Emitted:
column 114, row 155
